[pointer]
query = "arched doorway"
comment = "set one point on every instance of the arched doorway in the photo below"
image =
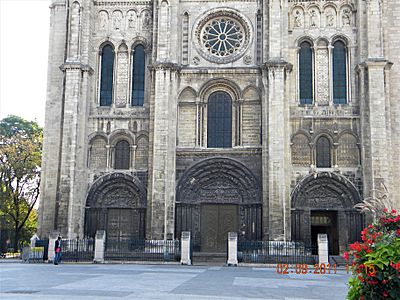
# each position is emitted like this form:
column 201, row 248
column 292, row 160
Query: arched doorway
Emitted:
column 324, row 203
column 116, row 203
column 215, row 196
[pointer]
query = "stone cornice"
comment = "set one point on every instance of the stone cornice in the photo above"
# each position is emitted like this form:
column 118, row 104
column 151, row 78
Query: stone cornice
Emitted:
column 158, row 65
column 277, row 63
column 374, row 62
column 76, row 66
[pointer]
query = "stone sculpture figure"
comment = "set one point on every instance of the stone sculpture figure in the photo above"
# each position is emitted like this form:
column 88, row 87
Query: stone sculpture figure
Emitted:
column 298, row 19
column 117, row 20
column 330, row 18
column 313, row 18
column 131, row 20
column 346, row 17
column 103, row 20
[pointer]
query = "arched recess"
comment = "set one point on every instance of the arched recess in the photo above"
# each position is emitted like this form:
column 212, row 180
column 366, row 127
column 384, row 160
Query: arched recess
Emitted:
column 98, row 153
column 306, row 71
column 324, row 203
column 214, row 186
column 300, row 150
column 219, row 120
column 348, row 152
column 187, row 118
column 142, row 153
column 250, row 117
column 116, row 203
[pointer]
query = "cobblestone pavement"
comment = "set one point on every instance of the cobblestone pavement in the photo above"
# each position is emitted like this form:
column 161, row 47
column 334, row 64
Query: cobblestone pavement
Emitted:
column 132, row 281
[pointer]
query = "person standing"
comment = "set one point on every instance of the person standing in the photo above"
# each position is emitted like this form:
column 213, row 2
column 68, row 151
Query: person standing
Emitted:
column 57, row 250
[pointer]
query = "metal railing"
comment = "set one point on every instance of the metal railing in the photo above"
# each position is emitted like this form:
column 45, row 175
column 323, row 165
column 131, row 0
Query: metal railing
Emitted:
column 276, row 252
column 142, row 250
column 77, row 250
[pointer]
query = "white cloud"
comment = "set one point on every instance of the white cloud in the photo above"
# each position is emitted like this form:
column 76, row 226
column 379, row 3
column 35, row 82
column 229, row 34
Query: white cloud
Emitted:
column 24, row 32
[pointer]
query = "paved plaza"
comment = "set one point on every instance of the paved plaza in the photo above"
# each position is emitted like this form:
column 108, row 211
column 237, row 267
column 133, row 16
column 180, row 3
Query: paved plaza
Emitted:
column 132, row 281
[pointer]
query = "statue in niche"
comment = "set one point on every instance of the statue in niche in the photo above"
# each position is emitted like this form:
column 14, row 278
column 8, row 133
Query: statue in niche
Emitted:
column 117, row 20
column 103, row 20
column 146, row 20
column 330, row 18
column 108, row 127
column 346, row 17
column 131, row 20
column 313, row 18
column 298, row 19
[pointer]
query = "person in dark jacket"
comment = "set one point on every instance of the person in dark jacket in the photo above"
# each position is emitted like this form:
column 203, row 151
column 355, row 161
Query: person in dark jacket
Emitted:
column 57, row 250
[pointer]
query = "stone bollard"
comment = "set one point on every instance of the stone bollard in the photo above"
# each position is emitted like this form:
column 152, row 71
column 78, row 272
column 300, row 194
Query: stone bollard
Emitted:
column 52, row 240
column 323, row 257
column 185, row 248
column 34, row 238
column 232, row 249
column 99, row 246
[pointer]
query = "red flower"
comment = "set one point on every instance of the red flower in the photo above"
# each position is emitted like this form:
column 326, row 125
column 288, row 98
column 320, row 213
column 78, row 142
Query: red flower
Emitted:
column 385, row 210
column 346, row 255
column 398, row 231
column 385, row 294
column 356, row 247
column 394, row 211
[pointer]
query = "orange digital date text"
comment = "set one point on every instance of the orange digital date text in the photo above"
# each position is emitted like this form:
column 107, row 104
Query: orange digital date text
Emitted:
column 305, row 269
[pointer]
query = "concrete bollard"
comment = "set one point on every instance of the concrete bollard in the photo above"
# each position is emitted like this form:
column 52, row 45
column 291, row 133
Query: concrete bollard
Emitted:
column 232, row 249
column 52, row 240
column 185, row 248
column 99, row 246
column 323, row 256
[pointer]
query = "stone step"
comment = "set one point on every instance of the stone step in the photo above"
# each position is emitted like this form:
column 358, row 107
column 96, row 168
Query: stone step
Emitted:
column 338, row 260
column 209, row 258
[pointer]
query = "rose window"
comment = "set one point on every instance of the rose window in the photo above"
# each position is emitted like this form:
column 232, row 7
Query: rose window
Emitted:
column 222, row 37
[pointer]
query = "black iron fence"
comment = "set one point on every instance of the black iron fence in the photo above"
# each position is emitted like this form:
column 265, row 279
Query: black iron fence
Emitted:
column 142, row 250
column 77, row 250
column 276, row 252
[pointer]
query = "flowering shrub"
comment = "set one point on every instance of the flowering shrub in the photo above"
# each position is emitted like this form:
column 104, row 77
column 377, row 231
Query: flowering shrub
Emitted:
column 375, row 263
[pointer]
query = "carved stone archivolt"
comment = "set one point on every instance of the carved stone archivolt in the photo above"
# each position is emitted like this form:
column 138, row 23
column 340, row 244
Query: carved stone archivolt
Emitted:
column 325, row 190
column 219, row 180
column 117, row 190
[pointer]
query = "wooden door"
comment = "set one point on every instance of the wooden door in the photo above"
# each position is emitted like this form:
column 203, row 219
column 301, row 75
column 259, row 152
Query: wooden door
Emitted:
column 119, row 225
column 216, row 221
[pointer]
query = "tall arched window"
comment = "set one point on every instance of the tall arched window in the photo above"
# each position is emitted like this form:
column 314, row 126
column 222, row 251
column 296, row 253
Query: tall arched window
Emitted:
column 138, row 75
column 306, row 73
column 122, row 155
column 323, row 152
column 106, row 76
column 339, row 73
column 219, row 121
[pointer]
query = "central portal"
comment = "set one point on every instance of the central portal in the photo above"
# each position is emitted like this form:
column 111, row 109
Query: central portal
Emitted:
column 216, row 221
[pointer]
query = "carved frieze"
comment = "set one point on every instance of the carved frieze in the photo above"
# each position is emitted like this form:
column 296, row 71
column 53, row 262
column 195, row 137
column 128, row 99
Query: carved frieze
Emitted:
column 322, row 76
column 122, row 76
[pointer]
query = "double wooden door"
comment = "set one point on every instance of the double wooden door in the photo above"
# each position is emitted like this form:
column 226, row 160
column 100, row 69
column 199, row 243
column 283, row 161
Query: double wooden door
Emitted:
column 216, row 221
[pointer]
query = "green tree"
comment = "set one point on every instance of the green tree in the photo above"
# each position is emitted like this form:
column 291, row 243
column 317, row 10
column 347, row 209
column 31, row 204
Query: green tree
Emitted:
column 20, row 159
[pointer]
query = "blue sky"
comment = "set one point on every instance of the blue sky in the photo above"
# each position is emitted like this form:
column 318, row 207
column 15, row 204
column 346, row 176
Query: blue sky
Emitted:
column 24, row 32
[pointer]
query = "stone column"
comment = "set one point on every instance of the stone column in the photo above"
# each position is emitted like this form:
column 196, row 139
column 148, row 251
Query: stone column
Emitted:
column 52, row 240
column 232, row 249
column 164, row 155
column 276, row 146
column 185, row 248
column 53, row 124
column 323, row 257
column 99, row 246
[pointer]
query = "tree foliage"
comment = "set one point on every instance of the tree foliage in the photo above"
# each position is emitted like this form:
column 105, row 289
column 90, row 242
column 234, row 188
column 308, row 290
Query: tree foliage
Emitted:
column 20, row 160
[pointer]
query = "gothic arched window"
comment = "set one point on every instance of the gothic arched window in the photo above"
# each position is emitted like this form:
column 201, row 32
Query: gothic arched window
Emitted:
column 306, row 73
column 138, row 75
column 339, row 73
column 323, row 152
column 219, row 121
column 122, row 155
column 106, row 75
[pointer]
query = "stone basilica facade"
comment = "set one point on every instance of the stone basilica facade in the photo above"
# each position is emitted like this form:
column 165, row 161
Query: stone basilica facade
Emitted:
column 268, row 118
